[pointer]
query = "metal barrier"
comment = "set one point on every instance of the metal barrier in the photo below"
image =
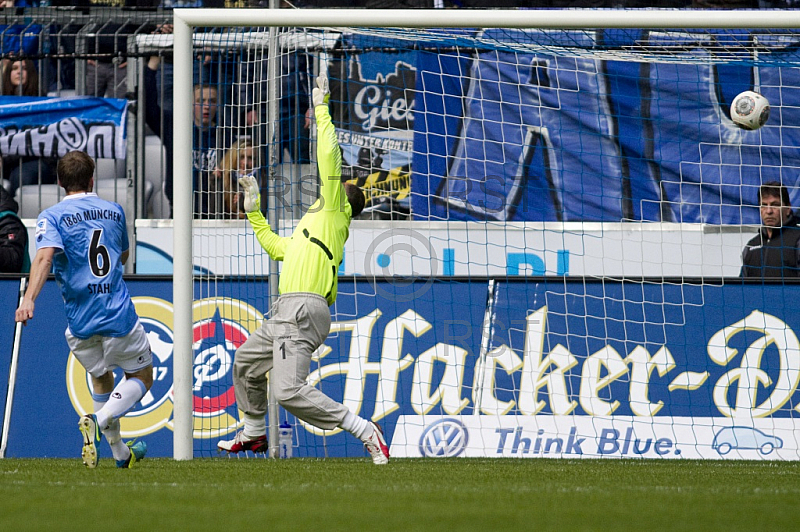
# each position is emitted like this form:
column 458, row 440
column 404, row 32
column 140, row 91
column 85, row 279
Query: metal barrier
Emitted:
column 84, row 52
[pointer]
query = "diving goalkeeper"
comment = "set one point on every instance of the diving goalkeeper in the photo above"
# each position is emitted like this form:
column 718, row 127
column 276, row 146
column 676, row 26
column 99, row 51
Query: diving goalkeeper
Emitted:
column 301, row 319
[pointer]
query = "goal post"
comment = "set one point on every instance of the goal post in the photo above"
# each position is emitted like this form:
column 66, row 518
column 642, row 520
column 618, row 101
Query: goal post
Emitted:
column 593, row 213
column 183, row 294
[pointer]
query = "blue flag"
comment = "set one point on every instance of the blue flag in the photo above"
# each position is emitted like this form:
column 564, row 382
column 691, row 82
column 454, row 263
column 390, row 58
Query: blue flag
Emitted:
column 51, row 127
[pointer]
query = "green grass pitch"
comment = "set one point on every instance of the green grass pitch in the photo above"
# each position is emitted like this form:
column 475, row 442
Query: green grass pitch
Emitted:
column 229, row 494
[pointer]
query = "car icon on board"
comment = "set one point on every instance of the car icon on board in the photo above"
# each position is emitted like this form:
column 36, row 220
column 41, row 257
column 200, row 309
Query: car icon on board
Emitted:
column 731, row 438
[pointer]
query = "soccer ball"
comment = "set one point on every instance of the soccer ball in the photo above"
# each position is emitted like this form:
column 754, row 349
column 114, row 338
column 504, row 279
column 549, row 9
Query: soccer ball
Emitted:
column 750, row 110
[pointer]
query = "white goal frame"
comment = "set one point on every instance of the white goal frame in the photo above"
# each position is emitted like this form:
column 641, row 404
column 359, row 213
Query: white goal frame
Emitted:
column 187, row 19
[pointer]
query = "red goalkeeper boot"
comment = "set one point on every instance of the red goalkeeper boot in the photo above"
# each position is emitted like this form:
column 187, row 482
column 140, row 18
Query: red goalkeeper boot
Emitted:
column 376, row 446
column 241, row 443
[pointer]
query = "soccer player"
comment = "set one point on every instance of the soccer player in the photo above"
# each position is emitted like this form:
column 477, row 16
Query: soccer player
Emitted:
column 301, row 319
column 775, row 251
column 85, row 239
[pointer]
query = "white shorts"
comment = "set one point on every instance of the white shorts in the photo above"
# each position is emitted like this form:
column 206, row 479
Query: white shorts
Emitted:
column 101, row 354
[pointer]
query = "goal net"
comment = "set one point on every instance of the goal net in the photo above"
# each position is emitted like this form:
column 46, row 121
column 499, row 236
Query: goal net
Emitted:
column 548, row 264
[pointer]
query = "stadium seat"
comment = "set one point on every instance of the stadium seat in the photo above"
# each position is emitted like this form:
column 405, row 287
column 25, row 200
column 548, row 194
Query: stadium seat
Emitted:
column 116, row 190
column 159, row 205
column 109, row 169
column 155, row 160
column 112, row 190
column 155, row 164
column 33, row 199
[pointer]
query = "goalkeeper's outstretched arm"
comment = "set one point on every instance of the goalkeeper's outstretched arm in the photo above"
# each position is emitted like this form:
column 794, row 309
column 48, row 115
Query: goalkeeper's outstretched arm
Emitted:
column 273, row 244
column 329, row 155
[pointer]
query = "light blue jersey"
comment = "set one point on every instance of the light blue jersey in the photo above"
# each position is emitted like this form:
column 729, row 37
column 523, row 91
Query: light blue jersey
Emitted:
column 90, row 236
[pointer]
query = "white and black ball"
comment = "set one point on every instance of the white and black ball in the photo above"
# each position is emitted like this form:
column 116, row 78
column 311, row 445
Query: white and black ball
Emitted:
column 750, row 110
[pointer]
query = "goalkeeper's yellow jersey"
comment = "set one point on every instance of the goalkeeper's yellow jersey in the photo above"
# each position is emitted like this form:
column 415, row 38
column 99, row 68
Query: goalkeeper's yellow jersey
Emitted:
column 311, row 256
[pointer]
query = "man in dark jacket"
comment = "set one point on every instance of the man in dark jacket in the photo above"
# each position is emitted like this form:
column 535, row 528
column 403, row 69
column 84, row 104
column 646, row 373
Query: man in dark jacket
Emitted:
column 13, row 237
column 774, row 252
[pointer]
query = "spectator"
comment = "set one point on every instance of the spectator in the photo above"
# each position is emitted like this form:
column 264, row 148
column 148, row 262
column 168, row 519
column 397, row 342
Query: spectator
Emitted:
column 202, row 66
column 164, row 80
column 13, row 237
column 107, row 75
column 205, row 142
column 241, row 159
column 774, row 252
column 20, row 78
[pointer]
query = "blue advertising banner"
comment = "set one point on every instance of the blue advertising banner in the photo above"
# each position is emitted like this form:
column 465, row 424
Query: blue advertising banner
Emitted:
column 9, row 292
column 524, row 136
column 596, row 344
column 501, row 368
column 378, row 332
column 51, row 127
column 41, row 400
column 625, row 369
column 222, row 323
column 393, row 351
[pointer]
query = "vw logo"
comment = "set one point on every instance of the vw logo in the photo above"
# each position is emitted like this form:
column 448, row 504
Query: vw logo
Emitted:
column 445, row 438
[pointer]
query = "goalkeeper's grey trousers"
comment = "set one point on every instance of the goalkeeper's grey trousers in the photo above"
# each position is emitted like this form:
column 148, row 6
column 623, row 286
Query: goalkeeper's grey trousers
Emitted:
column 283, row 346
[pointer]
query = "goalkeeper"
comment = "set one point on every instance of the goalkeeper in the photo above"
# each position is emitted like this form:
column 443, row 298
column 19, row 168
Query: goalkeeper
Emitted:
column 301, row 319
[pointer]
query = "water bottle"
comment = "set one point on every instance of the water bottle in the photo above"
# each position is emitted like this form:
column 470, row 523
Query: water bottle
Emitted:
column 285, row 440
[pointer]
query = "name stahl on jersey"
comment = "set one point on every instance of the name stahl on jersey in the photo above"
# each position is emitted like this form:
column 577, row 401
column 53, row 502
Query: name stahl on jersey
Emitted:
column 90, row 236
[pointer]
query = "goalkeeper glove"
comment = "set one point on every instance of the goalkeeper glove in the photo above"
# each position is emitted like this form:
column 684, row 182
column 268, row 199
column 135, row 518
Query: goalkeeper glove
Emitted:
column 252, row 197
column 321, row 93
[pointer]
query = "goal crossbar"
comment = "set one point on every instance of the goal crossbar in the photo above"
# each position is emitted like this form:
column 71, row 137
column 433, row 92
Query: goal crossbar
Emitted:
column 433, row 18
